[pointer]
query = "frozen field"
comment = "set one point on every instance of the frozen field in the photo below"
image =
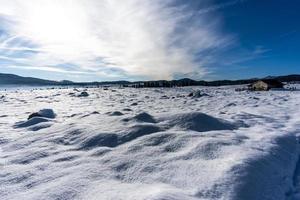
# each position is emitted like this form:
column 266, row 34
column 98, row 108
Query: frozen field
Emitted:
column 149, row 144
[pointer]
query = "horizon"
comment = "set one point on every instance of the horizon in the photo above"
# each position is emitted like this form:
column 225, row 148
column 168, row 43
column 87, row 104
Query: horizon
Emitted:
column 149, row 80
column 149, row 40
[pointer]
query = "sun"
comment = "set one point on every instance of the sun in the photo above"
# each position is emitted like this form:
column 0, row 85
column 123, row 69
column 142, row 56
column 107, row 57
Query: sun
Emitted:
column 50, row 22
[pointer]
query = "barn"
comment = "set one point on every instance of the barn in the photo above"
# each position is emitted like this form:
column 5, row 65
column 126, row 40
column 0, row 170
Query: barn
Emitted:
column 266, row 84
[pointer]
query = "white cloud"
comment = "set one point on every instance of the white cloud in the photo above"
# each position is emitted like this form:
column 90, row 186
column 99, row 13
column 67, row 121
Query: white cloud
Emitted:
column 48, row 69
column 153, row 38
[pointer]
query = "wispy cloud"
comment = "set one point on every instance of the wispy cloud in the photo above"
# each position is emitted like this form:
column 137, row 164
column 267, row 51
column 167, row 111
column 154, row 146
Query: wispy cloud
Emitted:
column 149, row 38
column 49, row 69
column 219, row 6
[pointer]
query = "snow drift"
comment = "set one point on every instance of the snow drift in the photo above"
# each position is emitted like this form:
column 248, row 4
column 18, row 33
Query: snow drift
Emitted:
column 120, row 145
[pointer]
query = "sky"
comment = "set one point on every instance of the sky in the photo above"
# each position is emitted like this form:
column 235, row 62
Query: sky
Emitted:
column 104, row 40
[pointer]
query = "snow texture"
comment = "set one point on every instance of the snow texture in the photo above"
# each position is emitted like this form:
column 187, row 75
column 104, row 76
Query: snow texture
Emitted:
column 149, row 144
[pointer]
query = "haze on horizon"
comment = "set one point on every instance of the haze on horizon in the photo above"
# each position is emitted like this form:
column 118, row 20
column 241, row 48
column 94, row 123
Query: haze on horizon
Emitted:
column 149, row 39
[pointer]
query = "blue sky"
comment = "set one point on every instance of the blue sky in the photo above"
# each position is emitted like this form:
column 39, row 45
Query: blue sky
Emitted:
column 272, row 25
column 149, row 39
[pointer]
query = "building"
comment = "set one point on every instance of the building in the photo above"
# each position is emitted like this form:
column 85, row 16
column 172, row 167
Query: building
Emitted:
column 266, row 84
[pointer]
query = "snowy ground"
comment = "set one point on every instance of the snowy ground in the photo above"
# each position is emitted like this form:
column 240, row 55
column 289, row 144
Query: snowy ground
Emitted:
column 152, row 144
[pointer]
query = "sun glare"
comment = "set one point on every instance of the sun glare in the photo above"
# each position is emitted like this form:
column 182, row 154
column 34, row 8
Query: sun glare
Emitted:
column 53, row 23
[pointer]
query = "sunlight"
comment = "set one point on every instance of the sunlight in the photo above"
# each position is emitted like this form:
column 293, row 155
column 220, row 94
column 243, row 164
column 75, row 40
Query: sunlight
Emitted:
column 54, row 23
column 147, row 39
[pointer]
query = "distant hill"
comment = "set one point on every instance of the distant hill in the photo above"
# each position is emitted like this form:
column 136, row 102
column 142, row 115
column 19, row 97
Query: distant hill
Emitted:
column 11, row 79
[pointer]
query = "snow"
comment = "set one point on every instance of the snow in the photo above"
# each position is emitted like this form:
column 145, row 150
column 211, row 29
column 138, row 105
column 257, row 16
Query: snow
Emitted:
column 152, row 144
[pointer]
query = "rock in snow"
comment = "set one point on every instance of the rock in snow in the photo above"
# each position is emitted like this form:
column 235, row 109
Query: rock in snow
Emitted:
column 47, row 113
column 33, row 115
column 197, row 94
column 34, row 119
column 83, row 94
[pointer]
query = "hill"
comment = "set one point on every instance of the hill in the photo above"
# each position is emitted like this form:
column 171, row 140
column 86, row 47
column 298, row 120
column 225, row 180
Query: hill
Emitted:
column 11, row 79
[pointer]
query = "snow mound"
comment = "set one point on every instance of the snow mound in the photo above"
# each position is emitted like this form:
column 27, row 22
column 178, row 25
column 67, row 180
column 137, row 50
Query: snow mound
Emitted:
column 274, row 169
column 100, row 140
column 142, row 117
column 115, row 139
column 138, row 131
column 197, row 121
column 38, row 120
column 31, row 122
column 116, row 113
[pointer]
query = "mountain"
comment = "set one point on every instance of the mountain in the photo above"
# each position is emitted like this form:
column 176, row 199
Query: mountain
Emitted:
column 11, row 79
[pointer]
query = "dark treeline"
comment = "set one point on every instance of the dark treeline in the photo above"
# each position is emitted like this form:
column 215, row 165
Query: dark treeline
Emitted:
column 190, row 82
